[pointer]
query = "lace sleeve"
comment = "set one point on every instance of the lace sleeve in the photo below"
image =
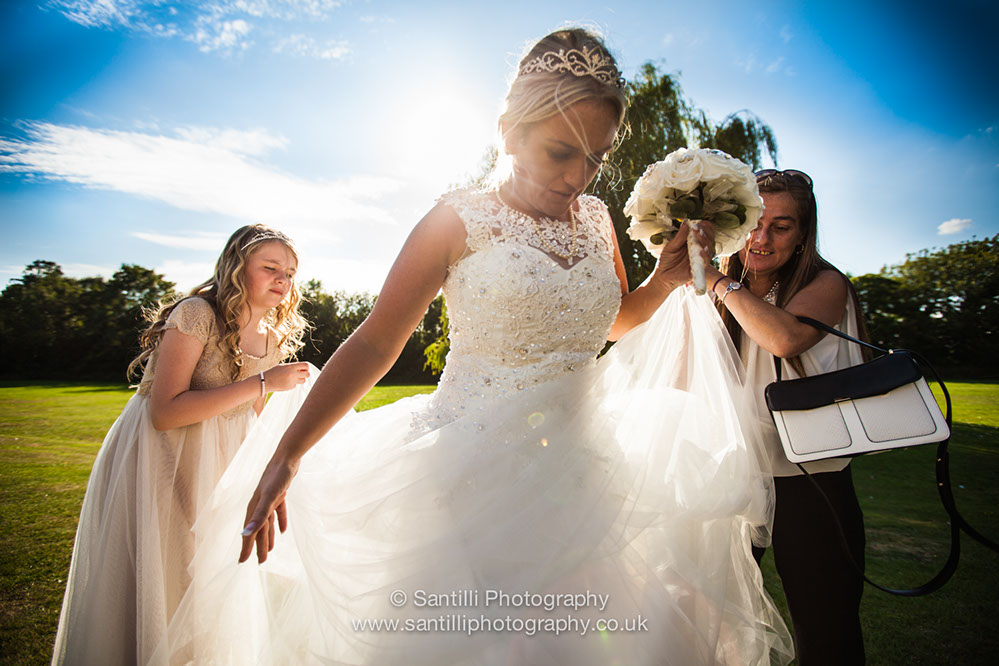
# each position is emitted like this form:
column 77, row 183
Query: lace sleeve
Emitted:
column 468, row 204
column 194, row 317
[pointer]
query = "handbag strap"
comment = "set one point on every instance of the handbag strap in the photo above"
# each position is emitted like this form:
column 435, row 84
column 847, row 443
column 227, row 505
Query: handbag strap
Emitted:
column 815, row 323
column 829, row 329
column 957, row 522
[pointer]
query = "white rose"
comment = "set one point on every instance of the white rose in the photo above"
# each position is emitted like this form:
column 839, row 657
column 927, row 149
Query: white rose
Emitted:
column 645, row 230
column 682, row 170
column 651, row 183
column 717, row 165
column 722, row 188
column 730, row 241
column 639, row 208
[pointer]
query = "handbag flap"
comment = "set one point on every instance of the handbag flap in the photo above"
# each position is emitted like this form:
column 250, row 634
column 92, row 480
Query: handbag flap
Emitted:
column 876, row 377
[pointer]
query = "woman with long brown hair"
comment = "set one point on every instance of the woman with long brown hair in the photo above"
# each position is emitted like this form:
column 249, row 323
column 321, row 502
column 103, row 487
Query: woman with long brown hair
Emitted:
column 760, row 291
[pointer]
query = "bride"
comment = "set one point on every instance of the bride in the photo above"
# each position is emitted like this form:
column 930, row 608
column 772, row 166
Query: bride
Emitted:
column 540, row 507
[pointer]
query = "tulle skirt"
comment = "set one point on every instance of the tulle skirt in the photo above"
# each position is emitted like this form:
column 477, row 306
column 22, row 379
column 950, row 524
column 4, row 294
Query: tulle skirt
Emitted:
column 134, row 544
column 603, row 518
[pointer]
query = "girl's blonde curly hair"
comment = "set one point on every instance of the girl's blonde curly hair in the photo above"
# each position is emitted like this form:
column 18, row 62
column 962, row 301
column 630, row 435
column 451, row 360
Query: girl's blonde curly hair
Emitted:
column 226, row 292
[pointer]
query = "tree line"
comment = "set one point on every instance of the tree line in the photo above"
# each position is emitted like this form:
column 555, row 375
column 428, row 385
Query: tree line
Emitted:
column 53, row 326
column 941, row 302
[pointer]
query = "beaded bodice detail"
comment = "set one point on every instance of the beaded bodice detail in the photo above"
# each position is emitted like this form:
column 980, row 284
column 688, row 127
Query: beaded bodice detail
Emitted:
column 519, row 316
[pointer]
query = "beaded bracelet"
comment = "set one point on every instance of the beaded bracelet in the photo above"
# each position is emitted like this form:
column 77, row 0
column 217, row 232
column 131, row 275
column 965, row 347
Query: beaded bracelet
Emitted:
column 263, row 386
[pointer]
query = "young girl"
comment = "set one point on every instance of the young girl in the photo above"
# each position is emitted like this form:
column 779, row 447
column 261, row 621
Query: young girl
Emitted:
column 210, row 360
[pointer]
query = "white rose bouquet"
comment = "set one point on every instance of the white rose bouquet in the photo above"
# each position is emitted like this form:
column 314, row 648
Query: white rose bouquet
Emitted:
column 692, row 185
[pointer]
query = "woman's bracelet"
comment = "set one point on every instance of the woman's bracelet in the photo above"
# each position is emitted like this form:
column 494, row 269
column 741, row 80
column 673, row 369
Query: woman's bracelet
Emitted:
column 732, row 286
column 716, row 283
column 263, row 386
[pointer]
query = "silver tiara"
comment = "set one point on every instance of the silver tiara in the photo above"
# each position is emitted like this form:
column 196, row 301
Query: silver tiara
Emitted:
column 578, row 62
column 267, row 235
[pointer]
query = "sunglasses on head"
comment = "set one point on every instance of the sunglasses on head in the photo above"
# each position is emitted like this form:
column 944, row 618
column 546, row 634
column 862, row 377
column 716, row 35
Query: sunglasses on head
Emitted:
column 767, row 174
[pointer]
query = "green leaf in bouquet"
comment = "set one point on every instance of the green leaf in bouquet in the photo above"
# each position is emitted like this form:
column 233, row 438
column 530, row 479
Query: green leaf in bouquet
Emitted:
column 740, row 212
column 726, row 220
column 698, row 205
column 657, row 239
column 683, row 209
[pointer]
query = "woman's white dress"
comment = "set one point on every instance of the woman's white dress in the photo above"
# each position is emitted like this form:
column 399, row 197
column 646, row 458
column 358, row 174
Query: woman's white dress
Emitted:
column 134, row 544
column 534, row 493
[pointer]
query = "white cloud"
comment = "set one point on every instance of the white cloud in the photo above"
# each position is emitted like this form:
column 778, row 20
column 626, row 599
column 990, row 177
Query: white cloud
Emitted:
column 347, row 274
column 953, row 226
column 186, row 275
column 219, row 26
column 303, row 45
column 668, row 39
column 218, row 176
column 245, row 142
column 77, row 270
column 748, row 63
column 368, row 18
column 100, row 13
column 213, row 34
column 751, row 64
column 196, row 240
column 785, row 33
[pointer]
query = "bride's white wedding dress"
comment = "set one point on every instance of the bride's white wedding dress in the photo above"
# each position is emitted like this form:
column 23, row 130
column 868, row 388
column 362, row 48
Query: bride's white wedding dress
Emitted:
column 533, row 472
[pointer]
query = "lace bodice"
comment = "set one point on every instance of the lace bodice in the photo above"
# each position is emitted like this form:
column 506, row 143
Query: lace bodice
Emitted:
column 519, row 316
column 195, row 317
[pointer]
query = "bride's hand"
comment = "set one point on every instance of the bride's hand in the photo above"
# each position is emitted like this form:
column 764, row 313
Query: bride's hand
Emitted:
column 673, row 267
column 266, row 505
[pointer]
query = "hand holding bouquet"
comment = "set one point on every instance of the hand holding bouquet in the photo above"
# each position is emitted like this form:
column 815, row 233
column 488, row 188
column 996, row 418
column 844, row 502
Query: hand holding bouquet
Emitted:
column 691, row 185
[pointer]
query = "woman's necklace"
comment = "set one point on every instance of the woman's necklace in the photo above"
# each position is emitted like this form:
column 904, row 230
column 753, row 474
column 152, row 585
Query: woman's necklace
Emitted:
column 573, row 243
column 771, row 296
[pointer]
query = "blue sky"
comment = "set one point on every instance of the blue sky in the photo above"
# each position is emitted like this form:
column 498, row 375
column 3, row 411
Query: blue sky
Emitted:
column 144, row 132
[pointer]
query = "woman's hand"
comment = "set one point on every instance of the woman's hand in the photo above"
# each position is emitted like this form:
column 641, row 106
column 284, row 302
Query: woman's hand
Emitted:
column 286, row 376
column 436, row 243
column 266, row 505
column 673, row 268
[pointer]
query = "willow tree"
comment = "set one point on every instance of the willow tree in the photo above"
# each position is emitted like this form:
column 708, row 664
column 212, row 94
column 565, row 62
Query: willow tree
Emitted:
column 660, row 120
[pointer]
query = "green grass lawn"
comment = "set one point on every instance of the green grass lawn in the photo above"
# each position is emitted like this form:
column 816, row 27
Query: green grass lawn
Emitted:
column 49, row 434
column 908, row 541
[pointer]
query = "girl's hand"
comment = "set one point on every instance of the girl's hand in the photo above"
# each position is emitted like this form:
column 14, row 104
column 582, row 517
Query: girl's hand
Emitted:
column 266, row 505
column 286, row 376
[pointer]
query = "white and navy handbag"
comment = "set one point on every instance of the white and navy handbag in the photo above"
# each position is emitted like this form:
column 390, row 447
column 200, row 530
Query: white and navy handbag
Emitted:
column 882, row 404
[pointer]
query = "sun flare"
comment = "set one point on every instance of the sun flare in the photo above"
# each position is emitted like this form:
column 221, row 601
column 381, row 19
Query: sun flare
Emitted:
column 442, row 135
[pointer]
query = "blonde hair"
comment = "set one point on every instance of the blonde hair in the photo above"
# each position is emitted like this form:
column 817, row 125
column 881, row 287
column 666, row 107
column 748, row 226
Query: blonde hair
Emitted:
column 226, row 293
column 536, row 95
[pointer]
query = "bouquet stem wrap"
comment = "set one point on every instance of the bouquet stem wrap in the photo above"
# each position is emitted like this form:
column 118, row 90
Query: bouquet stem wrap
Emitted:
column 696, row 260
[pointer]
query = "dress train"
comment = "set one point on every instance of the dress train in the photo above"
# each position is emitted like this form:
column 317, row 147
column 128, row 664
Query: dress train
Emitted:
column 636, row 480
